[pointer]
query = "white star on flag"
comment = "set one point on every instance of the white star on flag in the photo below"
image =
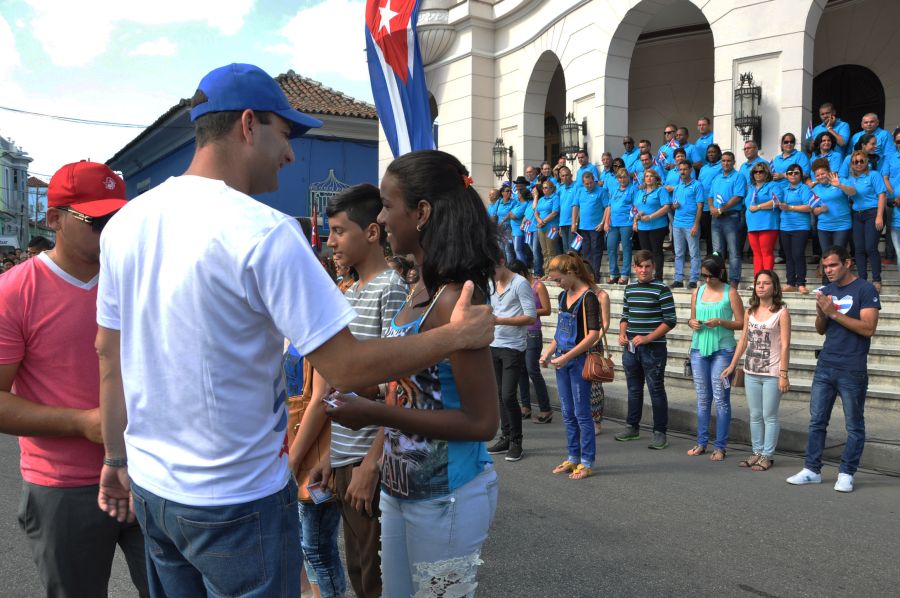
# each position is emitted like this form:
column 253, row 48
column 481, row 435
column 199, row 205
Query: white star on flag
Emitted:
column 386, row 15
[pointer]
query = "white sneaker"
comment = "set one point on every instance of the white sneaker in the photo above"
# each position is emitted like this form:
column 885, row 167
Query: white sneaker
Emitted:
column 805, row 476
column 844, row 483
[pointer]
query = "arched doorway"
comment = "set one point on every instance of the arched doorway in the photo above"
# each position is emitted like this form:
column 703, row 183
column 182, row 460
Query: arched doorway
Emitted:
column 853, row 89
column 544, row 111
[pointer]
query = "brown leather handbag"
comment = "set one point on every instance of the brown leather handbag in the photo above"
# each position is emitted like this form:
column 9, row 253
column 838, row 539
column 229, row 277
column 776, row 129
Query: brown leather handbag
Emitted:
column 297, row 406
column 598, row 365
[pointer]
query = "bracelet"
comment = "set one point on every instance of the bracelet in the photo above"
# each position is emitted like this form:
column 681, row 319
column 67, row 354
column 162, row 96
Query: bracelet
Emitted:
column 115, row 461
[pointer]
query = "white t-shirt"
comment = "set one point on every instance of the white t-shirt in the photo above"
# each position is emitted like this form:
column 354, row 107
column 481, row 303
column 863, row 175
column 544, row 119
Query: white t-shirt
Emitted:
column 204, row 284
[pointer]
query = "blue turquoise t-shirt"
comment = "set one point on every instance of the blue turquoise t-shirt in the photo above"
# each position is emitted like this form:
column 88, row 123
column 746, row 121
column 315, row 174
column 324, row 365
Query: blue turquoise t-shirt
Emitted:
column 529, row 216
column 648, row 203
column 834, row 157
column 591, row 205
column 504, row 208
column 700, row 147
column 673, row 177
column 687, row 196
column 891, row 169
column 762, row 219
column 518, row 211
column 566, row 201
column 780, row 164
column 885, row 143
column 621, row 201
column 796, row 196
column 725, row 186
column 868, row 187
column 632, row 161
column 492, row 209
column 837, row 216
column 708, row 172
column 844, row 170
column 579, row 180
column 545, row 207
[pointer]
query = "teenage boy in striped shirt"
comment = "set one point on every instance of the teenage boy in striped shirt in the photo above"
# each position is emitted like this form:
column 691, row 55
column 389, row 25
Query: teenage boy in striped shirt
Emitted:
column 648, row 314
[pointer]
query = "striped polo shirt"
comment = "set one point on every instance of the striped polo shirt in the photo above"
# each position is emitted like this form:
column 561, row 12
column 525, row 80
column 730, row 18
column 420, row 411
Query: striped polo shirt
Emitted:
column 375, row 305
column 647, row 305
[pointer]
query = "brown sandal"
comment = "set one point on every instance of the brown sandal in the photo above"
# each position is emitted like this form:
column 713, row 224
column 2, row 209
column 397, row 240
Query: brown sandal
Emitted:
column 750, row 461
column 717, row 455
column 697, row 450
column 763, row 464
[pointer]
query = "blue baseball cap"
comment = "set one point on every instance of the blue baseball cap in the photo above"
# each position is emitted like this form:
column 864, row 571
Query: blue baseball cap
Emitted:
column 244, row 86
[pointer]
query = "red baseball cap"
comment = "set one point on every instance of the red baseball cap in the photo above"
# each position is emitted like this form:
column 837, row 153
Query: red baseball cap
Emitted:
column 87, row 187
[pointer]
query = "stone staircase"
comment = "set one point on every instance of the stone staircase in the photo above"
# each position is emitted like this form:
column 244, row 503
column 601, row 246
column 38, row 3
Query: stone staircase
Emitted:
column 882, row 402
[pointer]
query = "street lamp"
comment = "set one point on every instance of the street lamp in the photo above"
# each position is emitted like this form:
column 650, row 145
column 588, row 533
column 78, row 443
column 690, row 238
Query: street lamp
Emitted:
column 746, row 109
column 571, row 133
column 502, row 159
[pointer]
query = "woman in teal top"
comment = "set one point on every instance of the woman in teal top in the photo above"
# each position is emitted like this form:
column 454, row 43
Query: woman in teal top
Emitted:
column 716, row 312
column 795, row 225
column 651, row 222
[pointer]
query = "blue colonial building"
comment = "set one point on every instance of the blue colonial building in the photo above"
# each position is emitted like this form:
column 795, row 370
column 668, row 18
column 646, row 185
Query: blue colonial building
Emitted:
column 344, row 151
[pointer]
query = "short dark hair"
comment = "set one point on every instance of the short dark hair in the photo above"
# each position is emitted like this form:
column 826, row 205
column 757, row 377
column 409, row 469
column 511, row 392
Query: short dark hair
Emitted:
column 306, row 226
column 820, row 163
column 715, row 263
column 361, row 203
column 40, row 243
column 731, row 154
column 583, row 151
column 838, row 250
column 647, row 141
column 640, row 256
column 679, row 150
column 215, row 125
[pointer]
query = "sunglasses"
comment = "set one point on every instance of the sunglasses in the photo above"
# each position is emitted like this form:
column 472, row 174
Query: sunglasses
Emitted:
column 797, row 172
column 788, row 142
column 759, row 172
column 706, row 276
column 669, row 132
column 858, row 162
column 97, row 223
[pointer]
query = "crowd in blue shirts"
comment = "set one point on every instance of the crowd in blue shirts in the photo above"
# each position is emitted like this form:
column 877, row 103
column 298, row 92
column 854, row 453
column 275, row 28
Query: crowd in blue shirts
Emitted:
column 836, row 188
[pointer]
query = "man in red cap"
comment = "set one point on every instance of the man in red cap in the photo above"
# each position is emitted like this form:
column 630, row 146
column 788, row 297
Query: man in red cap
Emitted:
column 50, row 389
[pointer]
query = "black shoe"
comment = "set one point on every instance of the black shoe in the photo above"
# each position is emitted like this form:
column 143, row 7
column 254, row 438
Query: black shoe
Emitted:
column 526, row 415
column 677, row 285
column 515, row 451
column 501, row 446
column 692, row 285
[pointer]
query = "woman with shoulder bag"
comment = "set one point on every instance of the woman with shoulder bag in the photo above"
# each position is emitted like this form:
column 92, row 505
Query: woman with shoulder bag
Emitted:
column 716, row 313
column 597, row 393
column 767, row 340
column 577, row 330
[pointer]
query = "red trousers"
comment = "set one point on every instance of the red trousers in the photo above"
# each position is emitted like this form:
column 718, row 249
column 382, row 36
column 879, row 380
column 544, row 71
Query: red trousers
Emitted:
column 762, row 242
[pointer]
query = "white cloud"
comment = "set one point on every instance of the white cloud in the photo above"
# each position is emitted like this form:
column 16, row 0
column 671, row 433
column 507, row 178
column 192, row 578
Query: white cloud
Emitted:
column 158, row 47
column 7, row 50
column 326, row 40
column 75, row 33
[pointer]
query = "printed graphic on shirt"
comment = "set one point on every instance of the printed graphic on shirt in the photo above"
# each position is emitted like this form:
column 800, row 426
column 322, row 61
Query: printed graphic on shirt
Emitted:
column 844, row 304
column 759, row 348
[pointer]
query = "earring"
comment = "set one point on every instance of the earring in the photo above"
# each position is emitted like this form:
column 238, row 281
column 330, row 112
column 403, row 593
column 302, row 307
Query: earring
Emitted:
column 419, row 227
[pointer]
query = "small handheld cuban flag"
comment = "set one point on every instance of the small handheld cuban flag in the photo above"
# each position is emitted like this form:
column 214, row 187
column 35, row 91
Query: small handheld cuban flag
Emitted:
column 528, row 236
column 398, row 75
column 634, row 211
column 809, row 131
column 661, row 158
column 577, row 242
column 774, row 199
column 720, row 201
column 753, row 198
column 554, row 232
column 815, row 201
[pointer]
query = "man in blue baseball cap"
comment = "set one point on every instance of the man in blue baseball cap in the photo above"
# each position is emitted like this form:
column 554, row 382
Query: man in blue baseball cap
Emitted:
column 200, row 284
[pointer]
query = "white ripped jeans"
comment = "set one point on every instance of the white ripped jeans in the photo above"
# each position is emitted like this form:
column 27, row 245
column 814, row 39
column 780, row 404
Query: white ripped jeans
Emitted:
column 433, row 547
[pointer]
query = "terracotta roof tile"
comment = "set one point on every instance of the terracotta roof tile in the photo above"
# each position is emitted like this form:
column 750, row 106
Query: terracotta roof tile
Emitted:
column 36, row 182
column 312, row 97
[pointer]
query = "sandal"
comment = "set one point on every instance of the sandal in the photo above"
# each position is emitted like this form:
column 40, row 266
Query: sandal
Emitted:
column 611, row 280
column 750, row 461
column 526, row 414
column 698, row 450
column 543, row 419
column 565, row 466
column 717, row 455
column 581, row 472
column 763, row 464
column 623, row 280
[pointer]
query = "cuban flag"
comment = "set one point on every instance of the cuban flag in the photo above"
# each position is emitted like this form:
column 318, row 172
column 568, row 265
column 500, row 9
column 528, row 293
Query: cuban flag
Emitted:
column 554, row 232
column 634, row 211
column 528, row 236
column 809, row 131
column 719, row 201
column 577, row 242
column 397, row 74
column 815, row 201
column 661, row 158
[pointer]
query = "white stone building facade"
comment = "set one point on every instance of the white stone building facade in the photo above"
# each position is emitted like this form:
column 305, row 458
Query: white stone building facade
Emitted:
column 513, row 69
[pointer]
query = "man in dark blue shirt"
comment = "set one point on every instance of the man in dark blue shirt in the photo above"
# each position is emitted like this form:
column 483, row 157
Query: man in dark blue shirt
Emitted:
column 847, row 314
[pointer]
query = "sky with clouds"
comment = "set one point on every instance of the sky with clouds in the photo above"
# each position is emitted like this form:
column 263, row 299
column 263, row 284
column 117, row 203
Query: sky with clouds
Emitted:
column 129, row 61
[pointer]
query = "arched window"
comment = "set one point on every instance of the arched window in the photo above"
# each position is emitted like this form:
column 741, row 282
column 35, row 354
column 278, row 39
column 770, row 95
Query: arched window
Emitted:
column 853, row 89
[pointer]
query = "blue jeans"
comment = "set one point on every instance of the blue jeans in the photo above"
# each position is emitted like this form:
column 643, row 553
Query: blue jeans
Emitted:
column 519, row 250
column 647, row 365
column 726, row 232
column 828, row 382
column 532, row 370
column 616, row 235
column 434, row 545
column 248, row 549
column 319, row 540
column 592, row 249
column 829, row 238
column 895, row 239
column 575, row 404
column 709, row 388
column 535, row 245
column 763, row 398
column 685, row 242
column 565, row 237
column 865, row 244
